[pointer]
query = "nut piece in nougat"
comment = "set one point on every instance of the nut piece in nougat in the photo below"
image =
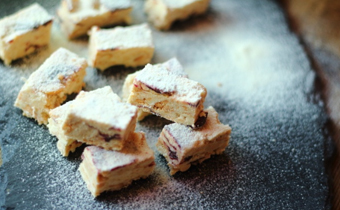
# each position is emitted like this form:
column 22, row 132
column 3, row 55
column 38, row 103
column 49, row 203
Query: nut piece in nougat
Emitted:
column 104, row 170
column 172, row 66
column 168, row 95
column 46, row 88
column 162, row 13
column 24, row 32
column 78, row 16
column 129, row 46
column 183, row 146
column 97, row 118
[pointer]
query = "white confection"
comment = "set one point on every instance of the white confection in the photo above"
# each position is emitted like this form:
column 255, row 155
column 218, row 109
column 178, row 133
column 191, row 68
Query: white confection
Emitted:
column 78, row 16
column 97, row 118
column 61, row 74
column 161, row 80
column 124, row 37
column 183, row 146
column 129, row 46
column 162, row 13
column 24, row 32
column 104, row 170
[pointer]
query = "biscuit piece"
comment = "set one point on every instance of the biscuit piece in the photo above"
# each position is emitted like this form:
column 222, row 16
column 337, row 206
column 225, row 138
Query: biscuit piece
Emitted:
column 61, row 74
column 97, row 118
column 183, row 146
column 168, row 95
column 78, row 16
column 172, row 66
column 24, row 32
column 129, row 46
column 104, row 170
column 162, row 13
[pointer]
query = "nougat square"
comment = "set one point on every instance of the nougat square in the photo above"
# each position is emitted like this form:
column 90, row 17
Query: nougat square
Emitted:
column 24, row 32
column 168, row 95
column 183, row 146
column 172, row 66
column 46, row 88
column 129, row 46
column 104, row 170
column 96, row 118
column 162, row 13
column 78, row 16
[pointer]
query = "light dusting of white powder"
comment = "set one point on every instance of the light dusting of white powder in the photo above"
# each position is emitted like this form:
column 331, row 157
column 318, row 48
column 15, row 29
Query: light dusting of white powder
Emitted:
column 104, row 106
column 61, row 64
column 158, row 78
column 123, row 37
column 178, row 3
column 23, row 21
column 257, row 77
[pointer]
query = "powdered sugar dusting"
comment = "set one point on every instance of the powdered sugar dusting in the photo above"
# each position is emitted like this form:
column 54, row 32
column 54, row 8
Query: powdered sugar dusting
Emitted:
column 275, row 158
column 61, row 64
column 178, row 3
column 123, row 37
column 23, row 21
column 105, row 106
column 157, row 77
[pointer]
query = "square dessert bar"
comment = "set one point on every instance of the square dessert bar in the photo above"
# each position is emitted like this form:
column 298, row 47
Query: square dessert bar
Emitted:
column 104, row 170
column 129, row 46
column 61, row 74
column 172, row 66
column 168, row 95
column 183, row 146
column 162, row 13
column 65, row 144
column 78, row 16
column 24, row 32
column 97, row 118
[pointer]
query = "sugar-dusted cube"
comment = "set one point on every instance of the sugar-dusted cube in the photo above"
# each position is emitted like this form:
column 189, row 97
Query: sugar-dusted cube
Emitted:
column 61, row 74
column 172, row 66
column 183, row 146
column 162, row 13
column 97, row 118
column 168, row 95
column 78, row 16
column 24, row 32
column 104, row 170
column 129, row 46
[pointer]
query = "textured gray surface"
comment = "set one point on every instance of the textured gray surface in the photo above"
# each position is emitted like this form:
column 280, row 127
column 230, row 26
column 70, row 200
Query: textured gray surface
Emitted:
column 259, row 80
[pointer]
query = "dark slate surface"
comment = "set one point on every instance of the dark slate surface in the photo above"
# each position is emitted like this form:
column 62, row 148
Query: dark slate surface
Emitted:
column 259, row 80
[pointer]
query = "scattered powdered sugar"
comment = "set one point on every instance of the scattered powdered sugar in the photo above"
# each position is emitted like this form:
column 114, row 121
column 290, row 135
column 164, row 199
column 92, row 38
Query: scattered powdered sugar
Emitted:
column 258, row 79
column 116, row 5
column 105, row 160
column 61, row 64
column 174, row 66
column 179, row 3
column 123, row 37
column 23, row 21
column 104, row 106
column 158, row 78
